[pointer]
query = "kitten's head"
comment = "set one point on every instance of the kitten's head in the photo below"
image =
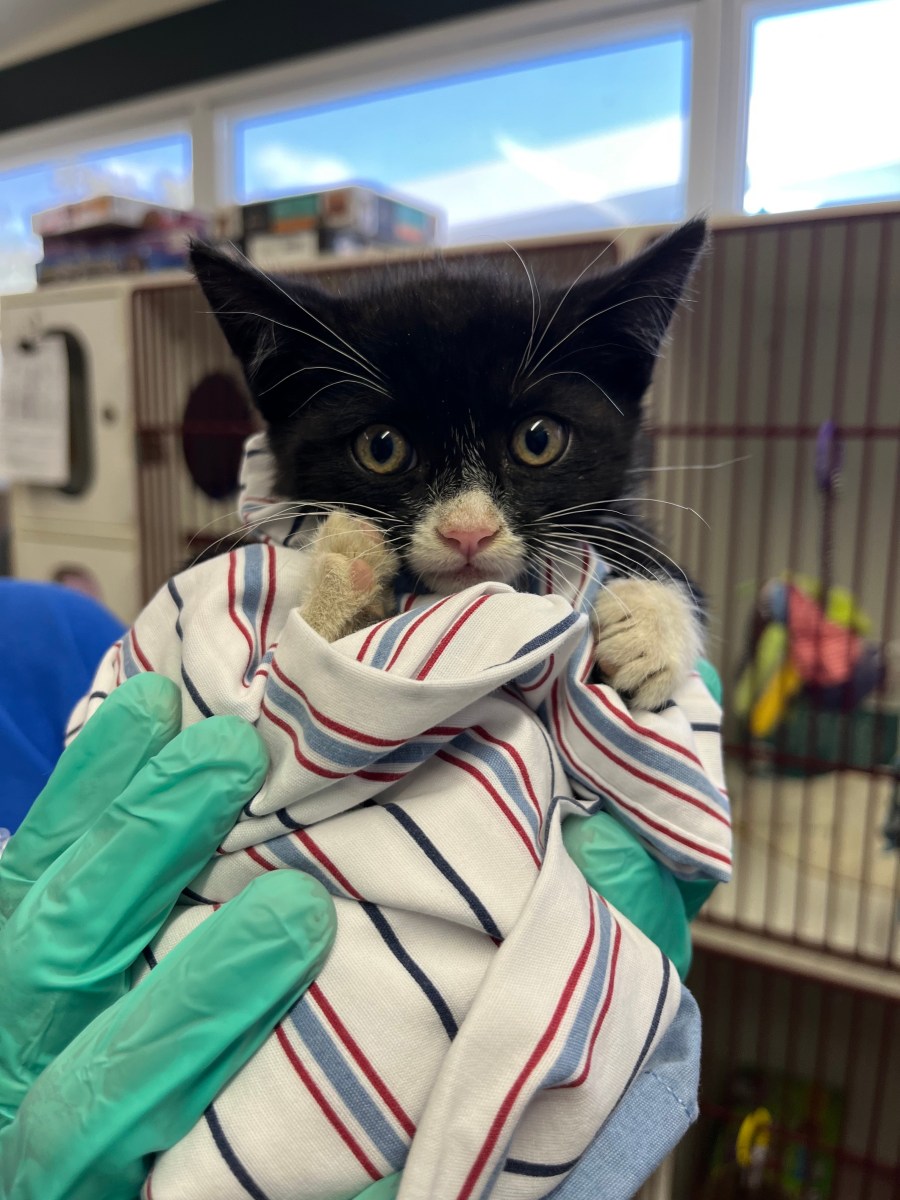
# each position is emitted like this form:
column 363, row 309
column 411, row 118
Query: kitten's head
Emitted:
column 446, row 398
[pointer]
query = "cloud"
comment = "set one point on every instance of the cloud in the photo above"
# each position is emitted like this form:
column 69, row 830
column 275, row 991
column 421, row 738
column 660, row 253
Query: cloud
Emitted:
column 589, row 170
column 121, row 177
column 592, row 170
column 275, row 166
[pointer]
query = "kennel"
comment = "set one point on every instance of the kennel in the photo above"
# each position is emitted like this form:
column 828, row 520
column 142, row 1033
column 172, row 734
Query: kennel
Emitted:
column 789, row 352
column 796, row 329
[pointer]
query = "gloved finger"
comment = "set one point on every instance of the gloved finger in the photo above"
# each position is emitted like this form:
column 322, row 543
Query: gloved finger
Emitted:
column 616, row 864
column 127, row 730
column 694, row 894
column 66, row 953
column 144, row 1072
column 382, row 1189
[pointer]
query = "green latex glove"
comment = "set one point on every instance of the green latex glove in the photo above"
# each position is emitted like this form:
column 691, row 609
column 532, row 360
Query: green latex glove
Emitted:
column 696, row 892
column 96, row 1077
column 383, row 1189
column 710, row 677
column 616, row 864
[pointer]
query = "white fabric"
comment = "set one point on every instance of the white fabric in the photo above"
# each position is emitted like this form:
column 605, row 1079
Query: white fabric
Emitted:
column 479, row 995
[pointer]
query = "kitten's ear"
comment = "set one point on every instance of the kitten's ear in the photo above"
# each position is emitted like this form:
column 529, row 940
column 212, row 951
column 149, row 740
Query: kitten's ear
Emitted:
column 258, row 314
column 625, row 313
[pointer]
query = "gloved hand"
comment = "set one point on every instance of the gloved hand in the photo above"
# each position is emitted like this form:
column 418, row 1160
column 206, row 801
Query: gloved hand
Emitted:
column 96, row 1077
column 124, row 1073
column 615, row 864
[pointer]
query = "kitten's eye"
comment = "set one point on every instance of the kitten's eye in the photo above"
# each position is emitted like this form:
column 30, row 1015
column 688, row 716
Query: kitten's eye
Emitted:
column 383, row 449
column 539, row 441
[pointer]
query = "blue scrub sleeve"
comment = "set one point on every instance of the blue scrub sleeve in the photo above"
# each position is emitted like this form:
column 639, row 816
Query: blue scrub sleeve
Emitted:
column 51, row 640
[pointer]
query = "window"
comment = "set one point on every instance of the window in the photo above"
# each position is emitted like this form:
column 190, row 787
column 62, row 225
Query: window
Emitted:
column 558, row 145
column 157, row 170
column 823, row 124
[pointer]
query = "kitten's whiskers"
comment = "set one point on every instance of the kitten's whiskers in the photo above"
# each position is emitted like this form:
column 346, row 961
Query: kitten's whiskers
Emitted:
column 574, row 508
column 621, row 559
column 565, row 295
column 553, row 553
column 729, row 462
column 593, row 316
column 535, row 310
column 348, row 376
column 560, row 556
column 361, row 358
column 550, row 375
column 235, row 312
column 651, row 549
column 333, row 383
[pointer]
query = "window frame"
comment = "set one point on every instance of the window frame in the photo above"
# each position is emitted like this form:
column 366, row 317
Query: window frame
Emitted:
column 447, row 61
column 58, row 143
column 740, row 54
column 717, row 118
column 207, row 111
column 23, row 150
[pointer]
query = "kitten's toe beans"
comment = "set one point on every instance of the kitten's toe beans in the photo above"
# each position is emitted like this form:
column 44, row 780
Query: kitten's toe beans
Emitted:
column 357, row 538
column 646, row 679
column 362, row 577
column 332, row 571
column 342, row 594
column 349, row 583
column 382, row 560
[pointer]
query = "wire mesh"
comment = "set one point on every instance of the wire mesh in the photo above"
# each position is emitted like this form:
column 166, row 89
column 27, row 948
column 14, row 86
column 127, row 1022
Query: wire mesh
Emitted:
column 795, row 325
column 823, row 1060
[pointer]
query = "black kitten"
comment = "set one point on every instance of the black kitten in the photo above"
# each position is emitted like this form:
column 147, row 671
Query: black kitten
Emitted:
column 489, row 428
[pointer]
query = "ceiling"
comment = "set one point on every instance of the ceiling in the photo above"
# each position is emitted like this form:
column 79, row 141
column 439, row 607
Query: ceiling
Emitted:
column 32, row 28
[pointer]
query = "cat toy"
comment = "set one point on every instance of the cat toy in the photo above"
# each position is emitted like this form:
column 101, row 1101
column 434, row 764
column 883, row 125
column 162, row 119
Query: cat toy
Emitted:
column 745, row 1176
column 810, row 637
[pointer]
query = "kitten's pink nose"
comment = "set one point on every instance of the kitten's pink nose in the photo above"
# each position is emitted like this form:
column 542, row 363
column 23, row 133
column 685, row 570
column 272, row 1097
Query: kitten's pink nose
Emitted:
column 470, row 541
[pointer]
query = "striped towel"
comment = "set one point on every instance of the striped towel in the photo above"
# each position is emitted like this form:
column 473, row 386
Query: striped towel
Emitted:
column 483, row 1011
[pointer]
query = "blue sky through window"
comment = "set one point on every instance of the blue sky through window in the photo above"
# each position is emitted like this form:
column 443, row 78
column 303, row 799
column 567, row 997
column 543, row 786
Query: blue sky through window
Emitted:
column 158, row 170
column 575, row 141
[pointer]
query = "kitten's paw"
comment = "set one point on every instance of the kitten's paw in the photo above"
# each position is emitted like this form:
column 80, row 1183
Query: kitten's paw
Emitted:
column 356, row 538
column 350, row 576
column 648, row 639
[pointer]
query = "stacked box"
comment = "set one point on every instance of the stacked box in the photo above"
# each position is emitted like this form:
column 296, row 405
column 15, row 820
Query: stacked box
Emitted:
column 110, row 235
column 338, row 221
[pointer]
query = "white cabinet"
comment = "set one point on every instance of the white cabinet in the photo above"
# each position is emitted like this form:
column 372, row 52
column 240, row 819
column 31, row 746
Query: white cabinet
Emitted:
column 96, row 529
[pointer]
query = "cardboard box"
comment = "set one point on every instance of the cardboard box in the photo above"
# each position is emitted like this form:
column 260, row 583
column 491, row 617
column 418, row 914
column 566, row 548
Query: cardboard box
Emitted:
column 282, row 251
column 345, row 218
column 106, row 213
column 293, row 214
column 69, row 259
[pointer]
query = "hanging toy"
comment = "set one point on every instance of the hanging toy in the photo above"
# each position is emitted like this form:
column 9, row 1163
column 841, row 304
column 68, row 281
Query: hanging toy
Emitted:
column 810, row 637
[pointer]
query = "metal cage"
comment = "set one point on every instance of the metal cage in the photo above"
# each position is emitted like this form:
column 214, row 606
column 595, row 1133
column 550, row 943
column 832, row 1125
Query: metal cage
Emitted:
column 796, row 324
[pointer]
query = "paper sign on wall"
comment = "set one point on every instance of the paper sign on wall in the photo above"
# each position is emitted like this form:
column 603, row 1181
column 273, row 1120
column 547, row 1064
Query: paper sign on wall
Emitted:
column 34, row 412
